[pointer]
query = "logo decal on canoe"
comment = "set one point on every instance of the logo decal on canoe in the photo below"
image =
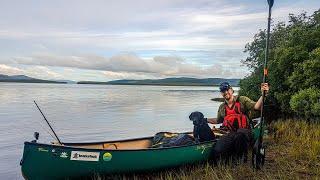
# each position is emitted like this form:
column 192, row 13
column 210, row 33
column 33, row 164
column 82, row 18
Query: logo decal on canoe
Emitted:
column 107, row 156
column 64, row 155
column 84, row 156
column 203, row 147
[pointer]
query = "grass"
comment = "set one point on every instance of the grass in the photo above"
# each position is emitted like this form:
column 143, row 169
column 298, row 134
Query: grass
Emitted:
column 293, row 152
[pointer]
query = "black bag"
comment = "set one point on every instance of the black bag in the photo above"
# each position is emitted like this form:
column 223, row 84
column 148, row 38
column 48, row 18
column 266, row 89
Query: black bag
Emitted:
column 232, row 146
column 167, row 139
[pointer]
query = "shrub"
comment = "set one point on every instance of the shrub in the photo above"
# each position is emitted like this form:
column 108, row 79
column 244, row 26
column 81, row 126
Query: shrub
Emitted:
column 294, row 66
column 306, row 103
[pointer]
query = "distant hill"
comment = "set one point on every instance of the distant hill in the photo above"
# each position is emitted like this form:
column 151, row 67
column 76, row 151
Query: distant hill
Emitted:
column 24, row 79
column 66, row 81
column 183, row 81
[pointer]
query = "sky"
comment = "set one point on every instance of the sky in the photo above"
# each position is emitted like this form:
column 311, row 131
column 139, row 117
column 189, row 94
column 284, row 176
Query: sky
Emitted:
column 103, row 40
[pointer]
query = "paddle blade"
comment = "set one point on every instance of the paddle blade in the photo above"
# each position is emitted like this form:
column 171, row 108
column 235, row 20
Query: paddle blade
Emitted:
column 258, row 155
column 270, row 2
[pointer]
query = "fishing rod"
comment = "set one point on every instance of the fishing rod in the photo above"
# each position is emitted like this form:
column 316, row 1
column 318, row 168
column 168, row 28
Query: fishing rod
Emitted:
column 48, row 123
column 258, row 154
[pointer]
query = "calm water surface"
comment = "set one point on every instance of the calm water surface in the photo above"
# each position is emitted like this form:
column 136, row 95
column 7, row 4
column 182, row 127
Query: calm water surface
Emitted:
column 81, row 113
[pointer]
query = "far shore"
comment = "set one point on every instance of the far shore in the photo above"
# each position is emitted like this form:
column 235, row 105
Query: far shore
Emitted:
column 30, row 82
column 205, row 85
column 40, row 82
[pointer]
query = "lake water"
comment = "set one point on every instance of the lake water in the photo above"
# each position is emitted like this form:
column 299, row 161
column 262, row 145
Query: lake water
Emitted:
column 80, row 113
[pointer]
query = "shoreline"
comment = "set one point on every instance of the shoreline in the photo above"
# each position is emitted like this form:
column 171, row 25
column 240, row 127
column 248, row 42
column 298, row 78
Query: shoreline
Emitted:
column 193, row 85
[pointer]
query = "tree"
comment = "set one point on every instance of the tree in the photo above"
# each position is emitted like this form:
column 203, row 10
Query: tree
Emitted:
column 294, row 62
column 306, row 103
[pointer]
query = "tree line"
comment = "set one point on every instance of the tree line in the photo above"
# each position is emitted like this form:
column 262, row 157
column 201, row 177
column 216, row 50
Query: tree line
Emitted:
column 293, row 67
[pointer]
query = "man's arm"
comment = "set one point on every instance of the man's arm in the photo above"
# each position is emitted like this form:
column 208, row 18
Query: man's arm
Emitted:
column 264, row 87
column 258, row 104
column 212, row 120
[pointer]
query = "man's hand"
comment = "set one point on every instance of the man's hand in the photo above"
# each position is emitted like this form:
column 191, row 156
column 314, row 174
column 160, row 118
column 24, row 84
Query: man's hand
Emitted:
column 265, row 87
column 212, row 120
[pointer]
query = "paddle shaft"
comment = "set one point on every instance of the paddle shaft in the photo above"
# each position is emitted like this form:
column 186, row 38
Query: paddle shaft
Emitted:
column 265, row 73
column 48, row 123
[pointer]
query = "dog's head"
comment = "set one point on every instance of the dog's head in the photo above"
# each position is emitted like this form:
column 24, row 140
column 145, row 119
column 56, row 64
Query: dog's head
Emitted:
column 197, row 118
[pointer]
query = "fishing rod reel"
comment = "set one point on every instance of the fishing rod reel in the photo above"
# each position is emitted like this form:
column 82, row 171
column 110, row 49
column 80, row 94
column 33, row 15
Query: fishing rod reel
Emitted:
column 36, row 134
column 36, row 137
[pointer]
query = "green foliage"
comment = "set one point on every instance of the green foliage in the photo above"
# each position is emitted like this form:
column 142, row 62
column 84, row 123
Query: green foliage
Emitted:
column 250, row 87
column 306, row 102
column 306, row 74
column 293, row 64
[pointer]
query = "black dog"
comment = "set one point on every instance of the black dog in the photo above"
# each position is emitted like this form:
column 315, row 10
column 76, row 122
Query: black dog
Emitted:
column 201, row 130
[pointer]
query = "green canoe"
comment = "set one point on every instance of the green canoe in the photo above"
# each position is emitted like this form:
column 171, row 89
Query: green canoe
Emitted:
column 54, row 161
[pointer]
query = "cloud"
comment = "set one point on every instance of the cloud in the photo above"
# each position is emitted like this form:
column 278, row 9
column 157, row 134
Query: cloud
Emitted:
column 102, row 29
column 40, row 72
column 124, row 75
column 126, row 64
column 9, row 70
column 180, row 25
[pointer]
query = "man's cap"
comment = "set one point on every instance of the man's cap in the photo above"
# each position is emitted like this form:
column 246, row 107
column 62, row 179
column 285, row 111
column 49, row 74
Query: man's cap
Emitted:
column 224, row 86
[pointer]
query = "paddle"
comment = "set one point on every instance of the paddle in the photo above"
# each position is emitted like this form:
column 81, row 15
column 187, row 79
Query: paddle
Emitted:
column 258, row 153
column 48, row 123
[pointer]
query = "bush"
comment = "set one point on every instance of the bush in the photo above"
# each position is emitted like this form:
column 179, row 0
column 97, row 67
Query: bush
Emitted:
column 294, row 66
column 306, row 74
column 306, row 103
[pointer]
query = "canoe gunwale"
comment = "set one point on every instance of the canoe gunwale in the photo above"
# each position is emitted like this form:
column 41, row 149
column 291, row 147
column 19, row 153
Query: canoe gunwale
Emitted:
column 93, row 149
column 74, row 145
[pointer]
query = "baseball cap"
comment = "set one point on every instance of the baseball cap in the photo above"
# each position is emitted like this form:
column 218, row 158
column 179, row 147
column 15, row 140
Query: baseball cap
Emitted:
column 224, row 86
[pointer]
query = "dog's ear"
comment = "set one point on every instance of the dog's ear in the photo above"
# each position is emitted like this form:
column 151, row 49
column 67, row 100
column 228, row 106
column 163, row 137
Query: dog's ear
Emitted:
column 191, row 117
column 201, row 115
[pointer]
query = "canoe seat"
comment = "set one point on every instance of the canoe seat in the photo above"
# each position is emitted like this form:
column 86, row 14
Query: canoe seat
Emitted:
column 118, row 145
column 110, row 145
column 134, row 144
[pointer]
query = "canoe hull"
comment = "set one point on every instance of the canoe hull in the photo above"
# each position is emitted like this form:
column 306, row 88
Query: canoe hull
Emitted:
column 42, row 161
column 45, row 161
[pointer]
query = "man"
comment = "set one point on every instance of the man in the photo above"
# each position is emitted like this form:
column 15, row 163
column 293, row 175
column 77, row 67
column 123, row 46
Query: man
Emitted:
column 248, row 107
column 235, row 114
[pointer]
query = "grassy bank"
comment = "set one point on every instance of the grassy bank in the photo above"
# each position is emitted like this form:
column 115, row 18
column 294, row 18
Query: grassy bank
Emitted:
column 293, row 153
